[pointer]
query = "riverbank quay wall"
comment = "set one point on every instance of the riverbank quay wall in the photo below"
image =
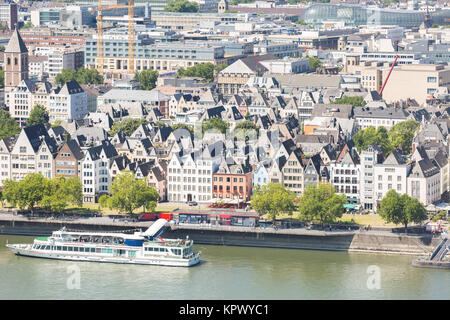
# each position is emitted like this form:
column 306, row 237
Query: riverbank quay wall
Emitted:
column 385, row 242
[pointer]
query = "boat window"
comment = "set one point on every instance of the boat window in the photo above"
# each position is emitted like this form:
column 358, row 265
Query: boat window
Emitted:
column 70, row 248
column 93, row 250
column 64, row 248
column 98, row 250
column 47, row 248
column 38, row 247
column 75, row 249
column 58, row 248
column 81, row 249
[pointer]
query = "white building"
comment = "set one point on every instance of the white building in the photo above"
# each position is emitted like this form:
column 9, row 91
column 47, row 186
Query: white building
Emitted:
column 345, row 175
column 33, row 152
column 368, row 159
column 95, row 174
column 379, row 117
column 391, row 174
column 286, row 65
column 189, row 177
column 68, row 103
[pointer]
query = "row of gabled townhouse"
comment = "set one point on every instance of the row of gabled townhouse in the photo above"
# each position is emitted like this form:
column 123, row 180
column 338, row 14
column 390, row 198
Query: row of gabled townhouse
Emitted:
column 366, row 177
column 34, row 150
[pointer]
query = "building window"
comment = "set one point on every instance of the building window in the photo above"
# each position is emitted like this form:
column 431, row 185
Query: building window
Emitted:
column 431, row 79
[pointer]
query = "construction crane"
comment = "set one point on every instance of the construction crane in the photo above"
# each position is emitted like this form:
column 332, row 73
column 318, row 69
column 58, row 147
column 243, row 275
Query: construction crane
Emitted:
column 100, row 54
column 387, row 78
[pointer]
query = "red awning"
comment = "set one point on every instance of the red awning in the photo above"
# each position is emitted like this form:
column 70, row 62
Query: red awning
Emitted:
column 225, row 216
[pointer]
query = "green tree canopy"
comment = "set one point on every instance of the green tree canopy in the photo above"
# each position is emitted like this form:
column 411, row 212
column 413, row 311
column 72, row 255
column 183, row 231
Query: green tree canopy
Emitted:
column 38, row 114
column 314, row 63
column 147, row 79
column 401, row 209
column 8, row 126
column 400, row 136
column 128, row 126
column 82, row 76
column 215, row 123
column 321, row 203
column 181, row 6
column 61, row 192
column 273, row 199
column 129, row 193
column 26, row 193
column 201, row 70
column 354, row 101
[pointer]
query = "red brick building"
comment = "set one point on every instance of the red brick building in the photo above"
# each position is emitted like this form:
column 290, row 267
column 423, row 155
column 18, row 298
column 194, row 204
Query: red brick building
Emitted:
column 232, row 183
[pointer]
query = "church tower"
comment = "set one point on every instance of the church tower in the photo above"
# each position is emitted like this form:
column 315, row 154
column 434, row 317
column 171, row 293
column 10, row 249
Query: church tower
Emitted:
column 15, row 61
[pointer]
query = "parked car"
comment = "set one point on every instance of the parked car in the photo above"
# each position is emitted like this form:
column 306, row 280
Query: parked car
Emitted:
column 192, row 203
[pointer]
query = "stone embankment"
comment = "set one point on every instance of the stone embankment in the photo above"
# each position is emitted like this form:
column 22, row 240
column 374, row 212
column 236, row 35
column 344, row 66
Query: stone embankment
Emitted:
column 295, row 238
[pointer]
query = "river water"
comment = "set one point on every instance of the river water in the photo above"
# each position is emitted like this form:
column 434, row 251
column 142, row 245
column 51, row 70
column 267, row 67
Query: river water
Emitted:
column 236, row 273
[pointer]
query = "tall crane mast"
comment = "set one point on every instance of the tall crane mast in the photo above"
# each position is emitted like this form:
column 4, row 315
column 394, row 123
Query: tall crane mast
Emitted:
column 100, row 54
column 387, row 78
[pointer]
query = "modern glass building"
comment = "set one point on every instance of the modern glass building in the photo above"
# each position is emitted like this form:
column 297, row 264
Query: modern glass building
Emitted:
column 354, row 15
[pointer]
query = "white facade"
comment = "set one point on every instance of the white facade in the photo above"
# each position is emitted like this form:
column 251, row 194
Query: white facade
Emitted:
column 190, row 179
column 66, row 107
column 288, row 66
column 5, row 163
column 95, row 176
column 389, row 177
column 345, row 177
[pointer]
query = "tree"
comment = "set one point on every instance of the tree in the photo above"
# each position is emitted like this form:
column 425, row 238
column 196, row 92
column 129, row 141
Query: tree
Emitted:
column 27, row 25
column 88, row 76
column 82, row 76
column 181, row 6
column 273, row 199
column 147, row 79
column 65, row 75
column 321, row 203
column 201, row 70
column 354, row 101
column 414, row 210
column 38, row 115
column 128, row 126
column 8, row 126
column 28, row 192
column 129, row 193
column 401, row 135
column 401, row 209
column 314, row 63
column 215, row 124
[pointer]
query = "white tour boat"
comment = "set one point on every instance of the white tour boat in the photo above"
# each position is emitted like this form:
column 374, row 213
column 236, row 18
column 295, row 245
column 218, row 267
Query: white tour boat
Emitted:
column 139, row 248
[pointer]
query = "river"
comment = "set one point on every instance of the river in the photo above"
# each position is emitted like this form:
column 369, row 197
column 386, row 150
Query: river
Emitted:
column 236, row 273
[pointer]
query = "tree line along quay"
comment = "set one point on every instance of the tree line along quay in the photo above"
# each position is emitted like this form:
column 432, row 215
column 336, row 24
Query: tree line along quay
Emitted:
column 128, row 195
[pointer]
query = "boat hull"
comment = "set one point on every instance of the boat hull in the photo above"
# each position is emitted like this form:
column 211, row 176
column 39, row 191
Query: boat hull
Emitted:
column 26, row 250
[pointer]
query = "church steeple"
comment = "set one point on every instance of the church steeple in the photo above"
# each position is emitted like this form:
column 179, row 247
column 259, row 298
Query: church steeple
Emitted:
column 16, row 61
